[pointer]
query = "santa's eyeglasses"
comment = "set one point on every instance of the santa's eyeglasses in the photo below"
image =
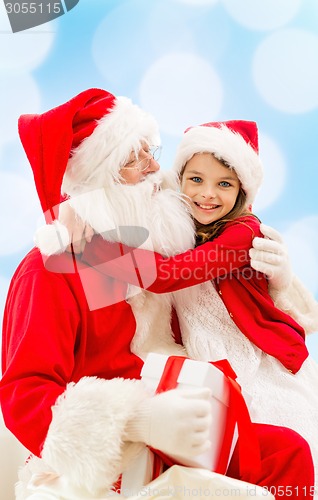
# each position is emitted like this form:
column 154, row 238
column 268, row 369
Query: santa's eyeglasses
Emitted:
column 142, row 165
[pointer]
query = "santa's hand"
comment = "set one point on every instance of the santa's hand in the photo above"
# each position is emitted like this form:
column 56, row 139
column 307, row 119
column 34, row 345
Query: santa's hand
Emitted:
column 78, row 230
column 176, row 422
column 269, row 255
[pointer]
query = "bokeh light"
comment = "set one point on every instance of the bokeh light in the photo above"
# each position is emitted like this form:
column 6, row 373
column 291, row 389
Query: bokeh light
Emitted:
column 181, row 89
column 260, row 15
column 285, row 70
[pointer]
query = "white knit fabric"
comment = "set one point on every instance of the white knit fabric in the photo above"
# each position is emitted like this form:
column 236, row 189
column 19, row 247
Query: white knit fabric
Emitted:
column 278, row 396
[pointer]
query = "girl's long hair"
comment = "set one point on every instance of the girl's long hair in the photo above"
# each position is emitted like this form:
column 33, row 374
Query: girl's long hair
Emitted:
column 207, row 232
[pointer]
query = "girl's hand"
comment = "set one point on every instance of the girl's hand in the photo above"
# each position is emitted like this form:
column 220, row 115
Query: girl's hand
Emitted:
column 269, row 255
column 80, row 232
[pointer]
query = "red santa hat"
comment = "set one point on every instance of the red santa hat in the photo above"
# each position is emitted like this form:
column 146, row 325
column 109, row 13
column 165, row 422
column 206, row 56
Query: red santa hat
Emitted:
column 234, row 142
column 80, row 146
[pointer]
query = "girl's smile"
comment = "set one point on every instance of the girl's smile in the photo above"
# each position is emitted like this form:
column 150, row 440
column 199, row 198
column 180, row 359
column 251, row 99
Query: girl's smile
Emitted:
column 206, row 207
column 211, row 186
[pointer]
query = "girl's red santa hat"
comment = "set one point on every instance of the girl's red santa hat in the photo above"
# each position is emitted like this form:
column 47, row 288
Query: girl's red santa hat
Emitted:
column 80, row 146
column 234, row 142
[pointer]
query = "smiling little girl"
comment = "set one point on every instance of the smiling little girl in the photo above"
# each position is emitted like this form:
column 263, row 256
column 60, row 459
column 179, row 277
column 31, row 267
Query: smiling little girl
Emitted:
column 233, row 316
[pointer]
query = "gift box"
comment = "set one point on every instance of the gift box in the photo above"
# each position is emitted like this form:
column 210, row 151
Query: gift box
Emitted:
column 199, row 374
column 230, row 419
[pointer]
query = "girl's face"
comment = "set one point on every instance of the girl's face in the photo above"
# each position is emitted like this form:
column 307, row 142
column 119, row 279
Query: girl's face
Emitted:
column 211, row 187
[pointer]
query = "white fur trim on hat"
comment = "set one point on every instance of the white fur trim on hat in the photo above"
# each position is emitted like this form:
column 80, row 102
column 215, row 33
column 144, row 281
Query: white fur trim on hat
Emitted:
column 97, row 160
column 225, row 145
column 52, row 238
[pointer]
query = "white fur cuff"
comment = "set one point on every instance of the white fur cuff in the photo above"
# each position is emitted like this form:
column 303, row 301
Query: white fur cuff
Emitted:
column 84, row 441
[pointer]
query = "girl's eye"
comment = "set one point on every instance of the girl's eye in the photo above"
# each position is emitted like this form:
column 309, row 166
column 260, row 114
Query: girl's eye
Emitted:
column 224, row 184
column 196, row 179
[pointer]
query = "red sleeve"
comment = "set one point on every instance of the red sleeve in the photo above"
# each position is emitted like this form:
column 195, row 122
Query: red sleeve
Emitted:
column 146, row 269
column 40, row 319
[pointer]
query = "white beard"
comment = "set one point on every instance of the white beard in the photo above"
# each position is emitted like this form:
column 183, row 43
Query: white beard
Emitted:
column 144, row 216
column 129, row 213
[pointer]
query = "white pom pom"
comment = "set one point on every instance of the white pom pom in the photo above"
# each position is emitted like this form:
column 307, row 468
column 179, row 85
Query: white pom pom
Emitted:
column 52, row 238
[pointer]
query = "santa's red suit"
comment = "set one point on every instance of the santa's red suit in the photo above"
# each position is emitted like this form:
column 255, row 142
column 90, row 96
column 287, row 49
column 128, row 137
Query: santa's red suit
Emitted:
column 70, row 381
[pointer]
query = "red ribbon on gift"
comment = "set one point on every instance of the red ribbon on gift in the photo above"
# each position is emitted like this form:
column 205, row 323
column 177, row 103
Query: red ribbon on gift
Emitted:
column 238, row 414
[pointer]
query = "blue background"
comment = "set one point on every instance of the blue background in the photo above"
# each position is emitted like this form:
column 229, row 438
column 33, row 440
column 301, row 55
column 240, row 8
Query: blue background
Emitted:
column 187, row 62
